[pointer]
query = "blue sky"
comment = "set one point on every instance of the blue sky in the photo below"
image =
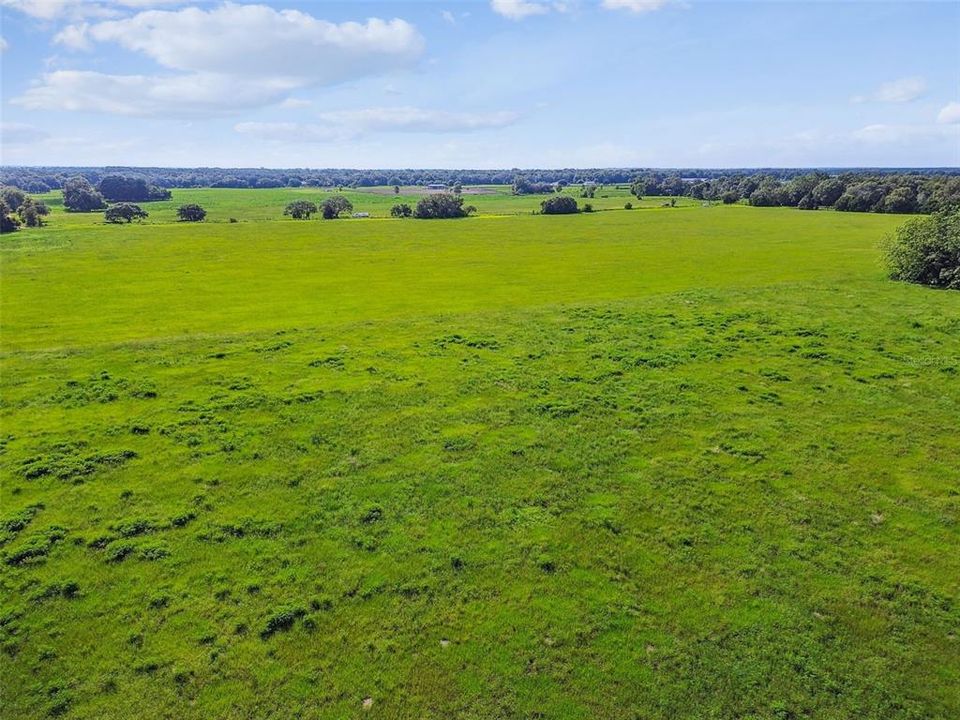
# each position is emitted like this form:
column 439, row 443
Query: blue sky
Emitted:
column 493, row 83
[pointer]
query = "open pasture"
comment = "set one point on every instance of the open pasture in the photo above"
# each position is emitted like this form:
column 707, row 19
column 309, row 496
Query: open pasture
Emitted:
column 246, row 205
column 692, row 462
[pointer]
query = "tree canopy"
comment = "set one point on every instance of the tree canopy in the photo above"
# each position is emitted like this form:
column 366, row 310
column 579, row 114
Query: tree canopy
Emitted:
column 80, row 196
column 441, row 205
column 334, row 205
column 300, row 209
column 927, row 251
column 559, row 205
column 191, row 213
column 124, row 213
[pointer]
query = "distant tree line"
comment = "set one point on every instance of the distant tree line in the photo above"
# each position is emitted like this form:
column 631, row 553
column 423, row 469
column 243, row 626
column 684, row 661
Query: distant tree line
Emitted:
column 849, row 191
column 44, row 179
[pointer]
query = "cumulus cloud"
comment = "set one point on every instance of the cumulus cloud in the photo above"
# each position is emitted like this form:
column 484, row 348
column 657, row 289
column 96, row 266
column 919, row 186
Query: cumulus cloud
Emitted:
column 350, row 124
column 256, row 39
column 519, row 9
column 634, row 6
column 20, row 134
column 950, row 114
column 895, row 91
column 222, row 59
column 3, row 45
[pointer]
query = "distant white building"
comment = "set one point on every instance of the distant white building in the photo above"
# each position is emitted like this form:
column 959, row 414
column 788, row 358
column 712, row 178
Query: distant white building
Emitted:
column 436, row 186
column 361, row 214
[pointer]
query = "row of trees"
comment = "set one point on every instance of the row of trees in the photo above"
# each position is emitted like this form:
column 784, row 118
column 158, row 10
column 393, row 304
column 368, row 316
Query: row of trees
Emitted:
column 44, row 179
column 330, row 209
column 80, row 195
column 128, row 212
column 849, row 192
column 432, row 206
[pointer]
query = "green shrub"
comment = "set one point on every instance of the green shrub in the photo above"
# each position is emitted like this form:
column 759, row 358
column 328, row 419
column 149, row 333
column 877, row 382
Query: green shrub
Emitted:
column 191, row 213
column 926, row 251
column 441, row 205
column 300, row 209
column 124, row 213
column 559, row 205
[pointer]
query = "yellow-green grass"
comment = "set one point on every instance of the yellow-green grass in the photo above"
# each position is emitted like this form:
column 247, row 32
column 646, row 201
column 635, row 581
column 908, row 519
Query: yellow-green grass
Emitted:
column 669, row 463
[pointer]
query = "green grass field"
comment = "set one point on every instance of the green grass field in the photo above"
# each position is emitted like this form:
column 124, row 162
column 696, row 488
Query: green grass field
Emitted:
column 691, row 462
column 259, row 205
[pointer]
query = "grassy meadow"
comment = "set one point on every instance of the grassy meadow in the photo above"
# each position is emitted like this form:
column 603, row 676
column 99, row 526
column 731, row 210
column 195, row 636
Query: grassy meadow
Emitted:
column 690, row 462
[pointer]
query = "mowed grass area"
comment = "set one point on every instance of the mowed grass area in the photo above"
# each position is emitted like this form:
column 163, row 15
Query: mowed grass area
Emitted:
column 668, row 463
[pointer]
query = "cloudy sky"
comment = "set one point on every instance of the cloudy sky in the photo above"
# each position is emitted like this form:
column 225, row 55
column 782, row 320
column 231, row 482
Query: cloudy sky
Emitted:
column 492, row 83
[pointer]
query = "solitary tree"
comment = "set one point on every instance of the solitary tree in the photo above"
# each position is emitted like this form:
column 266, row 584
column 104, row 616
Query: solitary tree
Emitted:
column 80, row 196
column 441, row 205
column 334, row 205
column 32, row 212
column 401, row 210
column 300, row 209
column 396, row 189
column 559, row 205
column 8, row 223
column 124, row 212
column 191, row 213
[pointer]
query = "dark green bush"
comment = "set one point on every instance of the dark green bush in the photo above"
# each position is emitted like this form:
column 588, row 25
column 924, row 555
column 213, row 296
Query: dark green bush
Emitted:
column 124, row 213
column 926, row 251
column 559, row 205
column 191, row 213
column 440, row 205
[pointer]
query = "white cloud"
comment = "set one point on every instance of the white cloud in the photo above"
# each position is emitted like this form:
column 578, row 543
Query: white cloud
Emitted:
column 448, row 17
column 258, row 40
column 3, row 44
column 348, row 124
column 635, row 6
column 518, row 9
column 20, row 134
column 77, row 9
column 226, row 58
column 895, row 91
column 73, row 37
column 177, row 95
column 950, row 114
